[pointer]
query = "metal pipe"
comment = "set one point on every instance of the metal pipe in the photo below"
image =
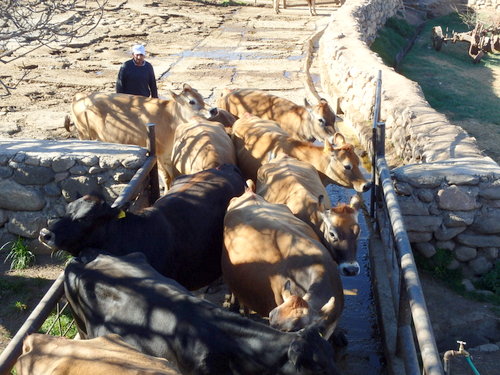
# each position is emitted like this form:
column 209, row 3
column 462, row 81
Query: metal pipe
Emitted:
column 132, row 188
column 425, row 335
column 153, row 174
column 13, row 350
column 376, row 120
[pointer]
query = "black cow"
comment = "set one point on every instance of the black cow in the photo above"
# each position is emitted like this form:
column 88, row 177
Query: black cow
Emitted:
column 181, row 234
column 155, row 314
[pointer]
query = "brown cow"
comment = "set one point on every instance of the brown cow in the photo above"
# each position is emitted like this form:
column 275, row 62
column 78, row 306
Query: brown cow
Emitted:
column 49, row 355
column 254, row 138
column 122, row 118
column 305, row 123
column 276, row 266
column 289, row 181
column 199, row 145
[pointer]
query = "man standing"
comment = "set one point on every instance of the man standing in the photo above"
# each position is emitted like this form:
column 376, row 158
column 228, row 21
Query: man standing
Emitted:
column 136, row 76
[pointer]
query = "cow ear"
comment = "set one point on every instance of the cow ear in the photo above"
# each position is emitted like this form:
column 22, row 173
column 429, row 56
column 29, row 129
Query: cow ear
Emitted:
column 186, row 87
column 306, row 104
column 286, row 293
column 173, row 94
column 339, row 139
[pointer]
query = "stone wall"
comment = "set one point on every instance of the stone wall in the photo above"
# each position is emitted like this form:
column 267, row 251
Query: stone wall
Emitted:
column 38, row 178
column 448, row 190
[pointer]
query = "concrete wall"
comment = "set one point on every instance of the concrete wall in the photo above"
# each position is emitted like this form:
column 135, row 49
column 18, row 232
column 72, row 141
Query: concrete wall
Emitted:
column 38, row 178
column 449, row 191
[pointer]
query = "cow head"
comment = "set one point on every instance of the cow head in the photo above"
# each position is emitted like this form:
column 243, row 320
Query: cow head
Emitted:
column 310, row 354
column 322, row 119
column 341, row 231
column 189, row 103
column 295, row 313
column 73, row 231
column 343, row 166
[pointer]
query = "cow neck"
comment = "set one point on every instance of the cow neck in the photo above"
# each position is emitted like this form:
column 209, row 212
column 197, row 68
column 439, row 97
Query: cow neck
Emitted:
column 306, row 151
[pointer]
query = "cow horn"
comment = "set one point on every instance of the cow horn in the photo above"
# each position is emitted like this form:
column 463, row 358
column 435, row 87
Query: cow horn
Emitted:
column 328, row 307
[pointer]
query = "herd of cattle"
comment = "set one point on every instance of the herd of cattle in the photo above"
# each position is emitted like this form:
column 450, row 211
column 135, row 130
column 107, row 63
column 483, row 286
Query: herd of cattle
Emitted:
column 245, row 199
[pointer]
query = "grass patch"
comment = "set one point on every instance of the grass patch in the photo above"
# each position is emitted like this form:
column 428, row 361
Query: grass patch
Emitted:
column 65, row 327
column 451, row 82
column 20, row 257
column 437, row 266
column 391, row 39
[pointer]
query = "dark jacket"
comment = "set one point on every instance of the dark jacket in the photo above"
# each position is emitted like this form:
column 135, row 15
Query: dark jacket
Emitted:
column 137, row 80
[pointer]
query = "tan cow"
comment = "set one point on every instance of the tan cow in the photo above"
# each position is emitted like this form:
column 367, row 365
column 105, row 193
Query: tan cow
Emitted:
column 305, row 123
column 122, row 118
column 289, row 181
column 199, row 145
column 276, row 266
column 106, row 355
column 311, row 4
column 254, row 138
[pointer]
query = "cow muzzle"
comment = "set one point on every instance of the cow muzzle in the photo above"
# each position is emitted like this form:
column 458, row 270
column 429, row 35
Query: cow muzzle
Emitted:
column 47, row 238
column 349, row 268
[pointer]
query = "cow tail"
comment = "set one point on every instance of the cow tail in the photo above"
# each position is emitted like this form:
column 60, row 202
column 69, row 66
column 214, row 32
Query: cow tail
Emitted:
column 67, row 123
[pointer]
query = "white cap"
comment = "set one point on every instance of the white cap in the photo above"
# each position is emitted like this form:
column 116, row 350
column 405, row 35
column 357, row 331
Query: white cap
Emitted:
column 138, row 49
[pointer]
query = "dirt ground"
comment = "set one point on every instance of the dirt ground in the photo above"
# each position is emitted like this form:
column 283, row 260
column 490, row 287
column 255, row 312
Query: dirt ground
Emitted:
column 170, row 29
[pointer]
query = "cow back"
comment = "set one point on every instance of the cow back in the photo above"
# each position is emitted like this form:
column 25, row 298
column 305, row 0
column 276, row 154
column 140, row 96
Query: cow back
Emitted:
column 48, row 355
column 199, row 145
column 195, row 207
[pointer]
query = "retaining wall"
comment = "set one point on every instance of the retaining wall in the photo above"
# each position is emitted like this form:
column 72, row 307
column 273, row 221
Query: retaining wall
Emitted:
column 449, row 191
column 38, row 178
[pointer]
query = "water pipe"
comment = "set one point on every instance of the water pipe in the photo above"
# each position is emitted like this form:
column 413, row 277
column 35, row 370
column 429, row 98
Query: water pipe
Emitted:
column 460, row 352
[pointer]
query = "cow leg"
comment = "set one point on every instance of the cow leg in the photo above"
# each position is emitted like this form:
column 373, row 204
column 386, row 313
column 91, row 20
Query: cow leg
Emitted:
column 276, row 4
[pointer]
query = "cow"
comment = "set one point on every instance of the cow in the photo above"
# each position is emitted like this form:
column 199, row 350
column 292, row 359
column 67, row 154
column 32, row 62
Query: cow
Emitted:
column 254, row 138
column 126, row 296
column 286, row 180
column 310, row 3
column 200, row 144
column 109, row 354
column 181, row 234
column 224, row 117
column 123, row 118
column 275, row 265
column 305, row 123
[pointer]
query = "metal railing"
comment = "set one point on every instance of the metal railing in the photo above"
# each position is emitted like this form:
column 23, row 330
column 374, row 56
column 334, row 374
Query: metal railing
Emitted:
column 53, row 299
column 413, row 323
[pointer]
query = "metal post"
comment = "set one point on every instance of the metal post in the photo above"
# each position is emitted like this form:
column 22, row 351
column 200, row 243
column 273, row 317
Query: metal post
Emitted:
column 13, row 350
column 153, row 175
column 421, row 321
column 375, row 146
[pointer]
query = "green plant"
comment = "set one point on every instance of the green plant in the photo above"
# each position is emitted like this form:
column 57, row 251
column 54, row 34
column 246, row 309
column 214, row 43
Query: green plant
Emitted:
column 21, row 306
column 391, row 39
column 19, row 255
column 491, row 280
column 64, row 327
column 438, row 264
